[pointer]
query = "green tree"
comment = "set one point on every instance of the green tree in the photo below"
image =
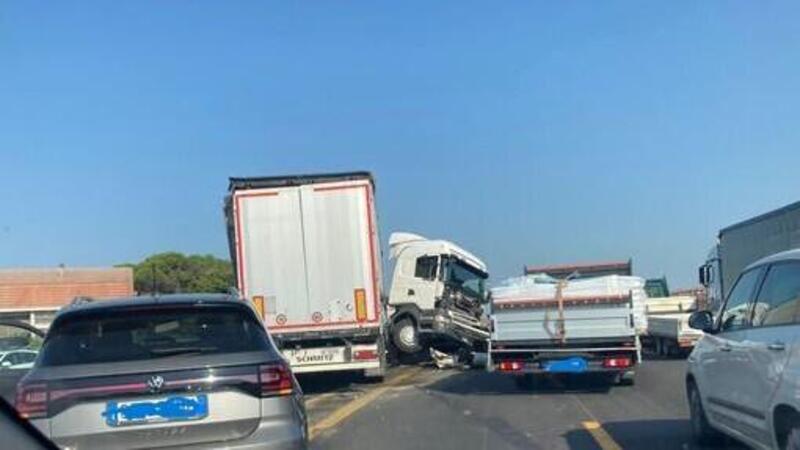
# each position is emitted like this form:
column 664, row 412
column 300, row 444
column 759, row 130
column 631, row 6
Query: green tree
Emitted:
column 174, row 272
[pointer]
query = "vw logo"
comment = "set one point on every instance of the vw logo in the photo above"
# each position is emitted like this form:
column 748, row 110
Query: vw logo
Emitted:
column 155, row 383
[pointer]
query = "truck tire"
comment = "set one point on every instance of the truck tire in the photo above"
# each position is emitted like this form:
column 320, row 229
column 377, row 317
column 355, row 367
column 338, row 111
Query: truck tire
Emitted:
column 627, row 379
column 405, row 336
column 702, row 431
column 793, row 439
column 660, row 350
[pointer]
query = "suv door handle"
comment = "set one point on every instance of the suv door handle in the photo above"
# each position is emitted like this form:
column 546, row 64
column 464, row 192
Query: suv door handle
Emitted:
column 777, row 346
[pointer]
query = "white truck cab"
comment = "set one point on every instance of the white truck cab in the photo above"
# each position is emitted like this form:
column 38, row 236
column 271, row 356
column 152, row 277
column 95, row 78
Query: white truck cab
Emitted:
column 437, row 294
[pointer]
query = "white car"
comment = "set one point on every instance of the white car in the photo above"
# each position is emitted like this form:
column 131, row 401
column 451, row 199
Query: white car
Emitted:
column 17, row 359
column 742, row 378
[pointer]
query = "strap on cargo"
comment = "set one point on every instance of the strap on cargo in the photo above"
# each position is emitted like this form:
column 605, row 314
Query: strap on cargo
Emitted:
column 561, row 331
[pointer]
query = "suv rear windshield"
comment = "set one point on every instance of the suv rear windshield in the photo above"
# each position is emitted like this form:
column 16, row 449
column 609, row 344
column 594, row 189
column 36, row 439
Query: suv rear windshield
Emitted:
column 129, row 334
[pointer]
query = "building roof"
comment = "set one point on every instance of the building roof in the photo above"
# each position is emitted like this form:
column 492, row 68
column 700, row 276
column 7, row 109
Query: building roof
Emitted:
column 55, row 287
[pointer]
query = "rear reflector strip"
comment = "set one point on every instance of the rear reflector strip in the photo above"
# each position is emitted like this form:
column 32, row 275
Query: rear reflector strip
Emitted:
column 361, row 355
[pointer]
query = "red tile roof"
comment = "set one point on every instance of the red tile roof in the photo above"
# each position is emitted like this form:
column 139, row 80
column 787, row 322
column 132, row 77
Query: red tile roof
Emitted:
column 32, row 288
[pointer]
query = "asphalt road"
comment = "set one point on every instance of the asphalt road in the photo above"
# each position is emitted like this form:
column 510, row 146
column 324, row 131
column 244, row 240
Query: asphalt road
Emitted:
column 422, row 408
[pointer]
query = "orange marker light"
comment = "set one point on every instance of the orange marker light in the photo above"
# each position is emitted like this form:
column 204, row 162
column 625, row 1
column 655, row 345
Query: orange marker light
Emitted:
column 361, row 304
column 258, row 302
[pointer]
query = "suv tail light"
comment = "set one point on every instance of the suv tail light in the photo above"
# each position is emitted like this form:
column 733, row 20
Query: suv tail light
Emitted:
column 31, row 401
column 275, row 380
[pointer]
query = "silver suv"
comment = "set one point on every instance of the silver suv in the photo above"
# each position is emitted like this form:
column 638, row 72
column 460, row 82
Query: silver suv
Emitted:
column 743, row 376
column 166, row 371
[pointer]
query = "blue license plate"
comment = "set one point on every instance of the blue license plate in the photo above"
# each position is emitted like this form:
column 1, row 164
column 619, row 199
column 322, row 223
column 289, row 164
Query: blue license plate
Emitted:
column 569, row 365
column 166, row 409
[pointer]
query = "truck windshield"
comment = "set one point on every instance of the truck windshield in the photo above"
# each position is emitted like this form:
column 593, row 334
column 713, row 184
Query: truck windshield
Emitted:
column 466, row 278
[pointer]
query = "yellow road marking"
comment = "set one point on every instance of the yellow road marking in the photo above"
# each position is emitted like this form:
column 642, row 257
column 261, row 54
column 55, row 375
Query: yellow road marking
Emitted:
column 601, row 436
column 350, row 408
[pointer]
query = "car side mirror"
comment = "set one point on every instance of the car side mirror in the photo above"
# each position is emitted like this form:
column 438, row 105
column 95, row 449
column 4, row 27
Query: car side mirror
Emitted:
column 702, row 320
column 6, row 364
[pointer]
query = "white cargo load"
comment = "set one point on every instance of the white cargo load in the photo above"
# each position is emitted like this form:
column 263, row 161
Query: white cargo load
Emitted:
column 543, row 287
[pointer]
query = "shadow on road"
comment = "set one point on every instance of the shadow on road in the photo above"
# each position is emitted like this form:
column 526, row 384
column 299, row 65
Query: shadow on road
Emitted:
column 483, row 383
column 318, row 383
column 661, row 434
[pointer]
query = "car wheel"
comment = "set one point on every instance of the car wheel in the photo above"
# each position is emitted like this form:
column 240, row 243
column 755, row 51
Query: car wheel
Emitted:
column 702, row 431
column 405, row 336
column 793, row 439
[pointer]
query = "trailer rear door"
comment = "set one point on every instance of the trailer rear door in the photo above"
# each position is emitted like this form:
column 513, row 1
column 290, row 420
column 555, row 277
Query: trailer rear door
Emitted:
column 271, row 262
column 340, row 252
column 310, row 252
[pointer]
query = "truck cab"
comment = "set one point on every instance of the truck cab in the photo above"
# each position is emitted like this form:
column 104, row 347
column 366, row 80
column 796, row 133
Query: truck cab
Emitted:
column 710, row 277
column 437, row 295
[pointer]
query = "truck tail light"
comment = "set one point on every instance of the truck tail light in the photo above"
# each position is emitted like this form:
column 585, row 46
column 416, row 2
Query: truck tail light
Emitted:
column 510, row 366
column 361, row 355
column 275, row 380
column 31, row 400
column 360, row 296
column 617, row 362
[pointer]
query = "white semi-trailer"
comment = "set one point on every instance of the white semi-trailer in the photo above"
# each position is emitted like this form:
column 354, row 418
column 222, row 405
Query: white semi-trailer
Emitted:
column 306, row 252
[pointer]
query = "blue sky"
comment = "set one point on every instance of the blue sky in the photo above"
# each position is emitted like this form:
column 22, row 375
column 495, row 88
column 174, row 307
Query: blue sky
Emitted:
column 532, row 133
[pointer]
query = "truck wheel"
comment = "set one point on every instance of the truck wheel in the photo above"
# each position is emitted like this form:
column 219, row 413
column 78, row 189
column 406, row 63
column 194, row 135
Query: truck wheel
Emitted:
column 627, row 379
column 657, row 346
column 405, row 336
column 701, row 429
column 793, row 439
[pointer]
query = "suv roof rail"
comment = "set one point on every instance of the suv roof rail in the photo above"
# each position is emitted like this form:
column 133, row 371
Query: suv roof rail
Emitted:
column 81, row 300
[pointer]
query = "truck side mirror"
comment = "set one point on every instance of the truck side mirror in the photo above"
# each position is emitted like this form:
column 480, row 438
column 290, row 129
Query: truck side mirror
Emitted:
column 703, row 275
column 702, row 320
